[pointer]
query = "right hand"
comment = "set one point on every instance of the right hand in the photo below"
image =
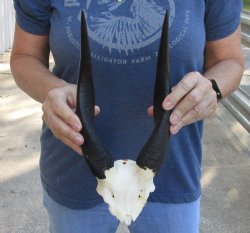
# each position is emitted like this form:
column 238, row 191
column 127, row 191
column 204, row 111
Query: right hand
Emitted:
column 59, row 115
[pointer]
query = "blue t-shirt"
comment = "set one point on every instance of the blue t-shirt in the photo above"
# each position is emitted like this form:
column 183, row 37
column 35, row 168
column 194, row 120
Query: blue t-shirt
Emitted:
column 124, row 39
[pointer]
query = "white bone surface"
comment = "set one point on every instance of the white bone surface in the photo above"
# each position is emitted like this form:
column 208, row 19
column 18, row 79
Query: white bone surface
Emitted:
column 126, row 189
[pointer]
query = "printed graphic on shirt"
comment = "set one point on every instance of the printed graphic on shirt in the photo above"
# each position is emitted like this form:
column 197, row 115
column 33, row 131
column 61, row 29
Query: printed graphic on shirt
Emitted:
column 126, row 26
column 70, row 3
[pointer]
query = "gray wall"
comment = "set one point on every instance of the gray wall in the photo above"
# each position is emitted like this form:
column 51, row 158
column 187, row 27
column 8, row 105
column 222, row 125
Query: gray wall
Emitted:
column 7, row 22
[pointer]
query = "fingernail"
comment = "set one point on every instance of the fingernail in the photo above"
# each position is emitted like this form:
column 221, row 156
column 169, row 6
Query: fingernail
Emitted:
column 167, row 105
column 79, row 139
column 174, row 129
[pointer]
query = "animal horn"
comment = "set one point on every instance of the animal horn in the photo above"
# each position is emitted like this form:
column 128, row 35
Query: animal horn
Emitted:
column 152, row 154
column 98, row 158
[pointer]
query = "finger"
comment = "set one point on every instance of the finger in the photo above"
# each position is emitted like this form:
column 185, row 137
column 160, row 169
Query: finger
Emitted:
column 150, row 111
column 193, row 98
column 75, row 145
column 203, row 110
column 71, row 101
column 190, row 117
column 57, row 102
column 62, row 130
column 72, row 145
column 188, row 82
column 71, row 95
column 64, row 112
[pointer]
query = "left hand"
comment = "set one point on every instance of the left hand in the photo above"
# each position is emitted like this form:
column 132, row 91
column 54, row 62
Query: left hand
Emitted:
column 192, row 99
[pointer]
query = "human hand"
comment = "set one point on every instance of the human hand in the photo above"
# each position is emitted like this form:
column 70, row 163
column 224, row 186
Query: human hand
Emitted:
column 191, row 100
column 59, row 115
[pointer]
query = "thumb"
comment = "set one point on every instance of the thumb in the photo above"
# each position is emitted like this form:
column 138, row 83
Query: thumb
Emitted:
column 71, row 96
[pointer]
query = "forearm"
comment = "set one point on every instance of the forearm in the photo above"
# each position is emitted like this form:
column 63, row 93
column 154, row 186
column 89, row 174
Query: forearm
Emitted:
column 227, row 74
column 33, row 76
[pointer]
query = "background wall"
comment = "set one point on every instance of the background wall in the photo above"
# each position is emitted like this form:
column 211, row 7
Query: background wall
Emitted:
column 7, row 22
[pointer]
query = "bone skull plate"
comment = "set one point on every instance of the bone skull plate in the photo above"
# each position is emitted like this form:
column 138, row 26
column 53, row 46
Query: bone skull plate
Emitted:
column 126, row 189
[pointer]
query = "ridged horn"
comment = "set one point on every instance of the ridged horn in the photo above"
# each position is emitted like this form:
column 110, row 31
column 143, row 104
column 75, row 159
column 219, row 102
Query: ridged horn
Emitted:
column 99, row 159
column 153, row 152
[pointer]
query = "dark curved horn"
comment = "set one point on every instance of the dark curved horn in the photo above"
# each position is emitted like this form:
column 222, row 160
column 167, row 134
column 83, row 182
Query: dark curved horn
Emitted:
column 152, row 154
column 98, row 157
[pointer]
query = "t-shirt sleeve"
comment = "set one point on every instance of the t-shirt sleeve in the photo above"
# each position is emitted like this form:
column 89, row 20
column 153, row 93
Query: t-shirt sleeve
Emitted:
column 33, row 16
column 222, row 18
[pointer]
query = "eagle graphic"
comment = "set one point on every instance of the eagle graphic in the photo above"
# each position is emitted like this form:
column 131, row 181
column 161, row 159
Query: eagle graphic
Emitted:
column 127, row 33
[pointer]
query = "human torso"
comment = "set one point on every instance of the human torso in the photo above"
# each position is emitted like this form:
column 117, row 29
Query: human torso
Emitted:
column 124, row 38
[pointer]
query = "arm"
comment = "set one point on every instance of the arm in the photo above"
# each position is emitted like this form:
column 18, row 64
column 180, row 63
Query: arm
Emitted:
column 193, row 98
column 224, row 62
column 29, row 65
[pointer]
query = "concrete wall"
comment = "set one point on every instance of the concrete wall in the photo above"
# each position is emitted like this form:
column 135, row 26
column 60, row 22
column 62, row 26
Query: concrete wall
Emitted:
column 7, row 22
